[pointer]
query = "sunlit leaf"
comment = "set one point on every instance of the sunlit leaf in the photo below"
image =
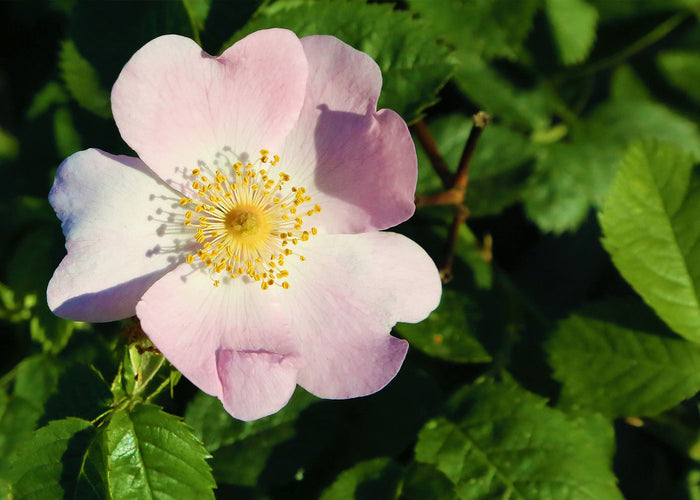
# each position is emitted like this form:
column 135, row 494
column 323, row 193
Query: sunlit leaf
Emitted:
column 56, row 463
column 573, row 24
column 500, row 442
column 617, row 359
column 379, row 478
column 650, row 223
column 151, row 454
column 413, row 66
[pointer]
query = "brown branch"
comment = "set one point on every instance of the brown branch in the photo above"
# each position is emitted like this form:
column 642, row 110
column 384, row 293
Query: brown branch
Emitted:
column 436, row 160
column 455, row 186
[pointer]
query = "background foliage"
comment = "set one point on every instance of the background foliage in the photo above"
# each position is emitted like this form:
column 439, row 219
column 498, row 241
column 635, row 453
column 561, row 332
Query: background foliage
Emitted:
column 564, row 360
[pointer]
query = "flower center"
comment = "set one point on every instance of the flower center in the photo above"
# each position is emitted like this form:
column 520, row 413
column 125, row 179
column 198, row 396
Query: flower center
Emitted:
column 246, row 221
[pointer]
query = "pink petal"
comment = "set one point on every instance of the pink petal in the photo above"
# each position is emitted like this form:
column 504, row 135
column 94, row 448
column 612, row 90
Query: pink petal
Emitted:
column 269, row 380
column 358, row 164
column 190, row 321
column 176, row 106
column 113, row 210
column 346, row 297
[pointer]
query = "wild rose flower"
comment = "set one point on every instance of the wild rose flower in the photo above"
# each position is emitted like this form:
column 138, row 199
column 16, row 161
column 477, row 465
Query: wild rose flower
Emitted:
column 246, row 235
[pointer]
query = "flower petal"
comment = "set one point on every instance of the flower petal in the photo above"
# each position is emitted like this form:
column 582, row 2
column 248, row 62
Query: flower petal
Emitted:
column 204, row 330
column 255, row 383
column 346, row 297
column 114, row 214
column 359, row 164
column 176, row 106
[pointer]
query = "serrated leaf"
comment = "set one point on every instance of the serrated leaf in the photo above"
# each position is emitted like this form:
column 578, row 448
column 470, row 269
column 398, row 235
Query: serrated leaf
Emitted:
column 493, row 28
column 379, row 477
column 572, row 177
column 82, row 81
column 683, row 71
column 573, row 24
column 651, row 230
column 414, row 67
column 151, row 454
column 497, row 172
column 501, row 442
column 54, row 463
column 618, row 360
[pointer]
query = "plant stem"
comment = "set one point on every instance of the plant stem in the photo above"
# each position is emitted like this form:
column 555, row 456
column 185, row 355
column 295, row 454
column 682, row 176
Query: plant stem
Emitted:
column 647, row 40
column 436, row 160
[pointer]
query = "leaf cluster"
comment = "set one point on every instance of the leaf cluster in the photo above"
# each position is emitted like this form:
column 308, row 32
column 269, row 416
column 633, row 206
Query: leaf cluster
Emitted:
column 564, row 358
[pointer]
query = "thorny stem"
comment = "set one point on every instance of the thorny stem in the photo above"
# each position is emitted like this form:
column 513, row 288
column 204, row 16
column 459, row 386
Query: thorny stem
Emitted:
column 455, row 186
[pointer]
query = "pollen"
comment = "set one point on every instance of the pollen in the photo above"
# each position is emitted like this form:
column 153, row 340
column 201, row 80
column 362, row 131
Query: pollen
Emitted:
column 246, row 216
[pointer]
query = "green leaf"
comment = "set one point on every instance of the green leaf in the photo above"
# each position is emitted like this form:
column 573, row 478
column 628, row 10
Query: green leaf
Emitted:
column 50, row 95
column 493, row 28
column 650, row 224
column 414, row 67
column 614, row 10
column 573, row 176
column 527, row 107
column 18, row 418
column 426, row 481
column 9, row 146
column 55, row 463
column 499, row 441
column 619, row 360
column 468, row 312
column 626, row 84
column 376, row 478
column 82, row 81
column 151, row 454
column 683, row 71
column 197, row 10
column 573, row 24
column 497, row 172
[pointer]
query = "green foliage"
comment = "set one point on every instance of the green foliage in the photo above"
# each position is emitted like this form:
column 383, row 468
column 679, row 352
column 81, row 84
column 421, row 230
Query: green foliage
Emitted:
column 82, row 81
column 378, row 478
column 595, row 104
column 683, row 70
column 499, row 441
column 573, row 25
column 618, row 360
column 151, row 454
column 497, row 172
column 493, row 28
column 571, row 177
column 651, row 232
column 56, row 463
column 413, row 66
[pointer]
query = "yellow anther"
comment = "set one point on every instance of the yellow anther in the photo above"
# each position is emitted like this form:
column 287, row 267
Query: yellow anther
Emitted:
column 195, row 185
column 190, row 259
column 285, row 285
column 195, row 171
column 317, row 208
column 314, row 231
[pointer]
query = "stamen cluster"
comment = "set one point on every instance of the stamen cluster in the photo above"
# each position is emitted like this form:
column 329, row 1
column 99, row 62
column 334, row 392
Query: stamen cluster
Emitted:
column 247, row 221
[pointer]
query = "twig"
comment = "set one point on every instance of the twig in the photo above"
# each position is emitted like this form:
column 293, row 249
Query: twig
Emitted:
column 436, row 160
column 455, row 186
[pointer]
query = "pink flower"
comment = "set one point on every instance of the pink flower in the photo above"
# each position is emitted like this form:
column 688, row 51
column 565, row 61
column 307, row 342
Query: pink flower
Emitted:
column 246, row 235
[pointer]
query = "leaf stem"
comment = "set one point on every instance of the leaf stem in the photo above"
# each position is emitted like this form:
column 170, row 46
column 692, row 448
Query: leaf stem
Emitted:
column 647, row 40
